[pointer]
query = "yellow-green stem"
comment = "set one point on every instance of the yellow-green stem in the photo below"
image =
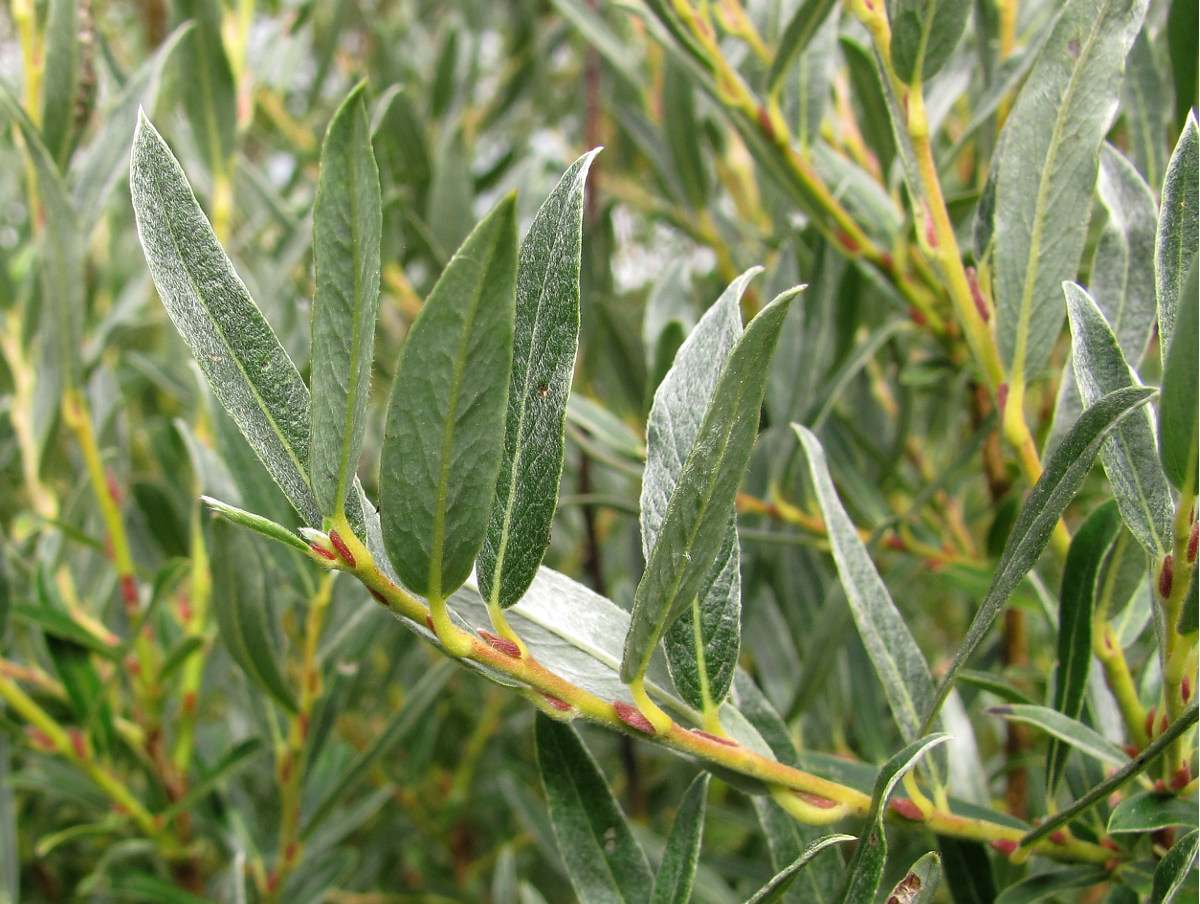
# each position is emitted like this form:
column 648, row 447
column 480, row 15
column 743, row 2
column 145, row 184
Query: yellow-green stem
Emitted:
column 196, row 625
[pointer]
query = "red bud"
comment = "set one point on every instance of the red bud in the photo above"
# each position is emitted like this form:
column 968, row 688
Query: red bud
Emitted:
column 1166, row 576
column 716, row 739
column 343, row 550
column 1005, row 846
column 902, row 806
column 632, row 716
column 503, row 644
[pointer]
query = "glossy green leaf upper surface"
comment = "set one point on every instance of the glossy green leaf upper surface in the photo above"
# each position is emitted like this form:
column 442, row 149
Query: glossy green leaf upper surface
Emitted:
column 1046, row 173
column 445, row 422
column 347, row 222
column 545, row 340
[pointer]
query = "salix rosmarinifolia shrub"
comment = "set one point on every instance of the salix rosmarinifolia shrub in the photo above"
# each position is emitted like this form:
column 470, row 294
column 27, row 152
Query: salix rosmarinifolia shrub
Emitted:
column 473, row 449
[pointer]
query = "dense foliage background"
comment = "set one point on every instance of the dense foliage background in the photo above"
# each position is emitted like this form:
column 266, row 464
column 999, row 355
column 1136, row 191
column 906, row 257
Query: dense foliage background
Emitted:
column 137, row 759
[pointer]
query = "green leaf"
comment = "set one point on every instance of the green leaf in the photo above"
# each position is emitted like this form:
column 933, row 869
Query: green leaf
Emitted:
column 1176, row 869
column 1039, row 513
column 677, row 871
column 782, row 881
column 400, row 725
column 1045, row 885
column 682, row 133
column 1070, row 731
column 209, row 94
column 702, row 648
column 232, row 760
column 865, row 869
column 1046, row 173
column 968, row 871
column 603, row 859
column 1120, row 778
column 143, row 887
column 1146, row 116
column 256, row 523
column 445, row 421
column 100, row 164
column 85, row 692
column 924, row 35
column 451, row 195
column 61, row 78
column 921, row 883
column 251, row 375
column 1150, row 811
column 347, row 224
column 58, row 624
column 1178, row 229
column 814, row 75
column 1077, row 604
column 1130, row 456
column 1179, row 408
column 697, row 519
column 800, row 30
column 7, row 592
column 241, row 606
column 898, row 661
column 545, row 341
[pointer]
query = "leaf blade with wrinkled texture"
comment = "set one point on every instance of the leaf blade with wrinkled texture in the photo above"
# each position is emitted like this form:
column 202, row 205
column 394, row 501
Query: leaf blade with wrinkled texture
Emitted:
column 696, row 522
column 251, row 375
column 545, row 341
column 445, row 421
column 605, row 863
column 1130, row 455
column 347, row 225
column 1046, row 172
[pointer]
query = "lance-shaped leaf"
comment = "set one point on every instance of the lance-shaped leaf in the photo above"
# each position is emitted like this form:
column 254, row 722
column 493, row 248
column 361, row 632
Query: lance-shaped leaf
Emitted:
column 1179, row 419
column 603, row 859
column 242, row 608
column 256, row 523
column 1130, row 455
column 1039, row 513
column 1121, row 283
column 968, row 871
column 347, row 222
column 702, row 647
column 924, row 35
column 898, row 661
column 697, row 519
column 1070, row 731
column 1044, row 886
column 209, row 94
column 1149, row 811
column 1077, row 600
column 545, row 340
column 445, row 422
column 61, row 78
column 677, row 871
column 1178, row 228
column 1176, row 869
column 779, row 884
column 800, row 30
column 865, row 869
column 251, row 374
column 1046, row 173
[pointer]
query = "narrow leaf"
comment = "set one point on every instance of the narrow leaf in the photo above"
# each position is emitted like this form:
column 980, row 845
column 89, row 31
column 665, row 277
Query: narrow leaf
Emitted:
column 682, row 133
column 1146, row 115
column 702, row 648
column 240, row 603
column 1046, row 173
column 1150, row 811
column 1070, row 731
column 865, row 869
column 968, row 871
column 677, row 871
column 413, row 714
column 545, row 340
column 805, row 21
column 257, row 523
column 1175, row 870
column 209, row 94
column 1179, row 409
column 898, row 661
column 1077, row 602
column 1039, row 513
column 697, row 518
column 59, row 624
column 1050, row 884
column 347, row 223
column 251, row 375
column 445, row 421
column 84, row 689
column 61, row 76
column 1130, row 456
column 924, row 35
column 782, row 881
column 232, row 760
column 605, row 863
column 1178, row 228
